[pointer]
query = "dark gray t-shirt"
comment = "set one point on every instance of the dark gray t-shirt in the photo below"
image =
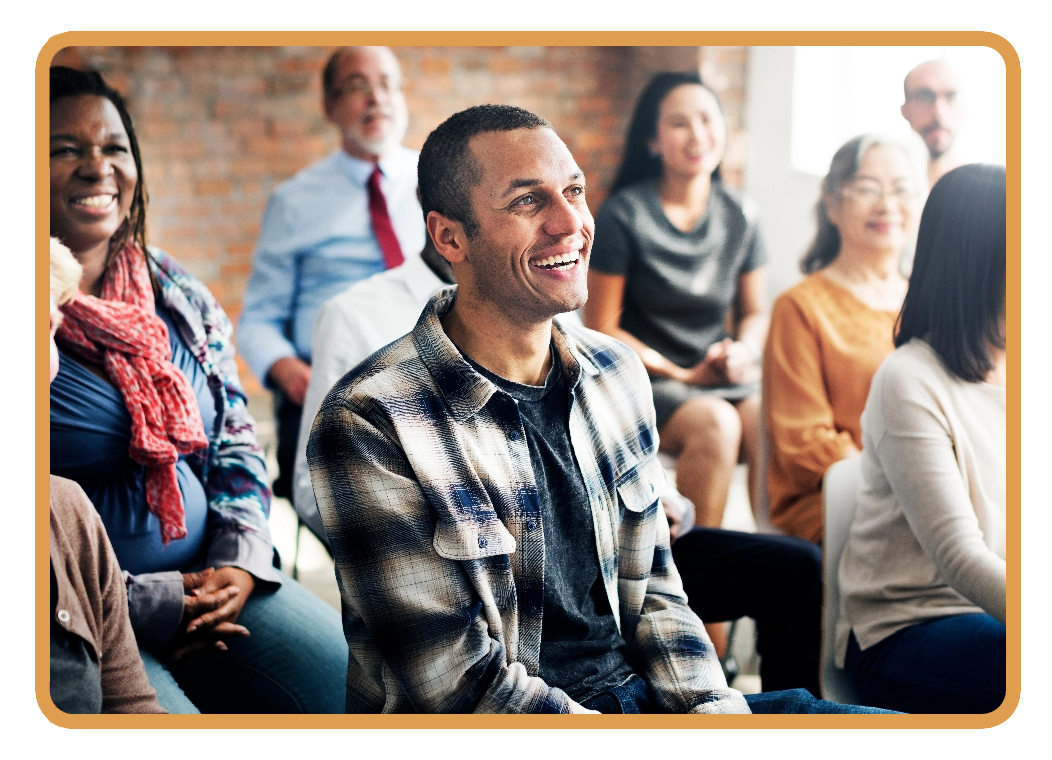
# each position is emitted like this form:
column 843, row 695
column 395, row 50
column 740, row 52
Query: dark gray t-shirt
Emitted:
column 582, row 651
column 679, row 285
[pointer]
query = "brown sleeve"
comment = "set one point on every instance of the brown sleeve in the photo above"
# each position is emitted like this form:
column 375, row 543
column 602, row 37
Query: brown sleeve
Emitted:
column 799, row 418
column 125, row 687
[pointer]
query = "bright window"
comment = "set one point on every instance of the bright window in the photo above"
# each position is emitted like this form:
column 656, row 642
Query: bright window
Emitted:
column 841, row 92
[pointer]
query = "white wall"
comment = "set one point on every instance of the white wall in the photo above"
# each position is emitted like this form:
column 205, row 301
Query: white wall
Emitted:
column 785, row 197
column 843, row 92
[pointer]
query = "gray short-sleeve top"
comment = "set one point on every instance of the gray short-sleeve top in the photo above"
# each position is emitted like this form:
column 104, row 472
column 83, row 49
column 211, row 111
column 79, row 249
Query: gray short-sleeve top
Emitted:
column 679, row 285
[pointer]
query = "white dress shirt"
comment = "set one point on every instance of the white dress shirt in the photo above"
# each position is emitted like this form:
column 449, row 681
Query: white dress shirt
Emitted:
column 350, row 326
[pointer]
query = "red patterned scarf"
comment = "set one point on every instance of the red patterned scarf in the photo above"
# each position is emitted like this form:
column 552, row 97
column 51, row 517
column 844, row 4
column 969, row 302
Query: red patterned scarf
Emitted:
column 121, row 331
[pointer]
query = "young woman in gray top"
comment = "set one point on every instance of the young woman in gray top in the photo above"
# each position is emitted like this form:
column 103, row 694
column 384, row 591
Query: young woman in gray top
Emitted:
column 677, row 260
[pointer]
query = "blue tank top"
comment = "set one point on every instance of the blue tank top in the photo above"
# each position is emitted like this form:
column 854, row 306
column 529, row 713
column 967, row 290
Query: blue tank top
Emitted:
column 90, row 435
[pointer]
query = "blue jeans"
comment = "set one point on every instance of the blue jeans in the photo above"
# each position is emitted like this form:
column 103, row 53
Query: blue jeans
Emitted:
column 953, row 664
column 633, row 698
column 294, row 661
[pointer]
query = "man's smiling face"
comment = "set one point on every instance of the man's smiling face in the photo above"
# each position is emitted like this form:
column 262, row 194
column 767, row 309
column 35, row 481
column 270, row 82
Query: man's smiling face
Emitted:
column 530, row 253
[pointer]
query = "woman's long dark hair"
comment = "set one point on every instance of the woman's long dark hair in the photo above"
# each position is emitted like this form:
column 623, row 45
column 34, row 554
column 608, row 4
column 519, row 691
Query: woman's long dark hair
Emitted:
column 637, row 162
column 956, row 297
column 69, row 83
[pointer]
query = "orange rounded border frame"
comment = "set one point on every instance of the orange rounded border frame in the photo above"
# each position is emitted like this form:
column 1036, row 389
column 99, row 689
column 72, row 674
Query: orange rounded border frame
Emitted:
column 1014, row 287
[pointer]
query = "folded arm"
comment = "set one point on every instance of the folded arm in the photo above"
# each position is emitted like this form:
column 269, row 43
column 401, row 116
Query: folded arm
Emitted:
column 918, row 458
column 798, row 413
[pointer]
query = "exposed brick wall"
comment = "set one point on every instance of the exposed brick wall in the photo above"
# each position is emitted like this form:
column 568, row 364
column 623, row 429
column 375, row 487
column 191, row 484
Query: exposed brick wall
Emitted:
column 221, row 126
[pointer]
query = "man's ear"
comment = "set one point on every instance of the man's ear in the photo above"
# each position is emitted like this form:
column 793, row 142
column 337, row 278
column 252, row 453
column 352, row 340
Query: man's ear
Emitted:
column 448, row 236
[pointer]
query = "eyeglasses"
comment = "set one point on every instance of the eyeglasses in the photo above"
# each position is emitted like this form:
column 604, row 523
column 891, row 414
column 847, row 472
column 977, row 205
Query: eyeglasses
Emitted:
column 361, row 88
column 929, row 97
column 870, row 193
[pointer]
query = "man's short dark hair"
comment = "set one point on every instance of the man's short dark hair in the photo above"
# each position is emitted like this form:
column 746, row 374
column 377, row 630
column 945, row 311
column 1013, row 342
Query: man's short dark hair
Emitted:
column 447, row 170
column 956, row 297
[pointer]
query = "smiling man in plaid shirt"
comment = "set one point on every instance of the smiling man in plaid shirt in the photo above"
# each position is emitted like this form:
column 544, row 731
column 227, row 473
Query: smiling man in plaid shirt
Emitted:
column 490, row 482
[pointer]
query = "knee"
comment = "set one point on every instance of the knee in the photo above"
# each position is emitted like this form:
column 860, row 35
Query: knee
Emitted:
column 718, row 425
column 799, row 573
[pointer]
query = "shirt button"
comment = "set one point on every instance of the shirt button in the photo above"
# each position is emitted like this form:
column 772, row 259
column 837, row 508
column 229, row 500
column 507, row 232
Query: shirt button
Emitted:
column 63, row 616
column 531, row 610
column 482, row 542
column 513, row 434
column 531, row 525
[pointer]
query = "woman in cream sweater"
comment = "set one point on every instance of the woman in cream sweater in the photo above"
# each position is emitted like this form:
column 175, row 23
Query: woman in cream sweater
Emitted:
column 922, row 578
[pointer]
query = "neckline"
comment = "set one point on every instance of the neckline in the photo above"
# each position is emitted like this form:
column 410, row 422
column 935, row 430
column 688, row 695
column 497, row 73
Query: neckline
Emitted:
column 522, row 391
column 853, row 297
column 360, row 170
column 655, row 198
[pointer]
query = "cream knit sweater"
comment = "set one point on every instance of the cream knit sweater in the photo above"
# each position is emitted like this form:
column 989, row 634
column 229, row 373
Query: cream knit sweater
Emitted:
column 928, row 539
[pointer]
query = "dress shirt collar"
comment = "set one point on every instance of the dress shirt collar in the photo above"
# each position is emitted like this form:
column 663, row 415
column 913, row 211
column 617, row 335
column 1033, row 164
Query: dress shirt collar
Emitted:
column 465, row 390
column 359, row 171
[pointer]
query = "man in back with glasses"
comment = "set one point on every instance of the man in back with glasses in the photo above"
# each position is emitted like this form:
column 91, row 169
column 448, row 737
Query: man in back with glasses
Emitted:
column 933, row 111
column 342, row 219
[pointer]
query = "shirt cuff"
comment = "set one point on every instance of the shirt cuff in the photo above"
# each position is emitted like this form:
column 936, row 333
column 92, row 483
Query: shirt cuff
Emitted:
column 155, row 606
column 260, row 351
column 247, row 551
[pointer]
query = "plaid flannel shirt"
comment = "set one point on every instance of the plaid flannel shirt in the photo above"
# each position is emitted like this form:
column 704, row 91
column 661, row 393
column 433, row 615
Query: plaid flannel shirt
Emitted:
column 425, row 486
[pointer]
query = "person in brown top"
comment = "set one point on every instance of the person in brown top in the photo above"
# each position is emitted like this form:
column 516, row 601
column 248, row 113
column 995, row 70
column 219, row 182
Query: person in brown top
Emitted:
column 831, row 331
column 95, row 663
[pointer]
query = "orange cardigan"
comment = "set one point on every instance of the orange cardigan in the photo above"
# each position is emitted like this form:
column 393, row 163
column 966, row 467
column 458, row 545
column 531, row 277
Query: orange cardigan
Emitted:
column 823, row 348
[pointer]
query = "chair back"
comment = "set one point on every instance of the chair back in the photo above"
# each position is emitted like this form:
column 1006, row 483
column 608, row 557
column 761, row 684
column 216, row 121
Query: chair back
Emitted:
column 839, row 503
column 762, row 508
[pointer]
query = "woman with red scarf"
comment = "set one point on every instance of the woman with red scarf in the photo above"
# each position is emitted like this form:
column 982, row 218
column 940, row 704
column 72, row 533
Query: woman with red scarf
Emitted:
column 148, row 416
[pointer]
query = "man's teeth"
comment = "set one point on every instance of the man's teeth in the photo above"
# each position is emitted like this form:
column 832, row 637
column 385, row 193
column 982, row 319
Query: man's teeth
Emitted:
column 95, row 201
column 553, row 262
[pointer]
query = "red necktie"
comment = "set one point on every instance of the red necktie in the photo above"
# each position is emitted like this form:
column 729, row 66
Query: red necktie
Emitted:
column 382, row 228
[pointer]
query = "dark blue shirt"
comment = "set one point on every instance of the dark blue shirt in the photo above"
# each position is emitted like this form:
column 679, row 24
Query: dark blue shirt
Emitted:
column 90, row 435
column 582, row 651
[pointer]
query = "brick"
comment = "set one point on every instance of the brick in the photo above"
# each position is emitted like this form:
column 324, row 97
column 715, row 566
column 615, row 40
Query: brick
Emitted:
column 213, row 187
column 221, row 126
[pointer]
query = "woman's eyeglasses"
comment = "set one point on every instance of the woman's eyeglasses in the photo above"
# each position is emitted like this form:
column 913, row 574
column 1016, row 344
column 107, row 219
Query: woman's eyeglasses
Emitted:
column 873, row 192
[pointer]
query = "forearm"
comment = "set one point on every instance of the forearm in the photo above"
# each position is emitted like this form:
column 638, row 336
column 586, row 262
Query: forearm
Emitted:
column 930, row 491
column 155, row 606
column 262, row 344
column 657, row 365
column 237, row 488
column 752, row 331
column 678, row 660
column 798, row 415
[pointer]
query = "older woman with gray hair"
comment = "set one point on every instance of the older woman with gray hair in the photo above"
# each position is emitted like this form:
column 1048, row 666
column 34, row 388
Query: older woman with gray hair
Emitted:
column 831, row 331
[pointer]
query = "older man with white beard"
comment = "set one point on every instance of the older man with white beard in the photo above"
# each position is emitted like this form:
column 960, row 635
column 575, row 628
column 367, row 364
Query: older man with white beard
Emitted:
column 342, row 219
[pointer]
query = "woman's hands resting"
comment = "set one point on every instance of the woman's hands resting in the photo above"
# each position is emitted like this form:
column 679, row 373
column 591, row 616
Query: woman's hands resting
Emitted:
column 728, row 362
column 211, row 605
